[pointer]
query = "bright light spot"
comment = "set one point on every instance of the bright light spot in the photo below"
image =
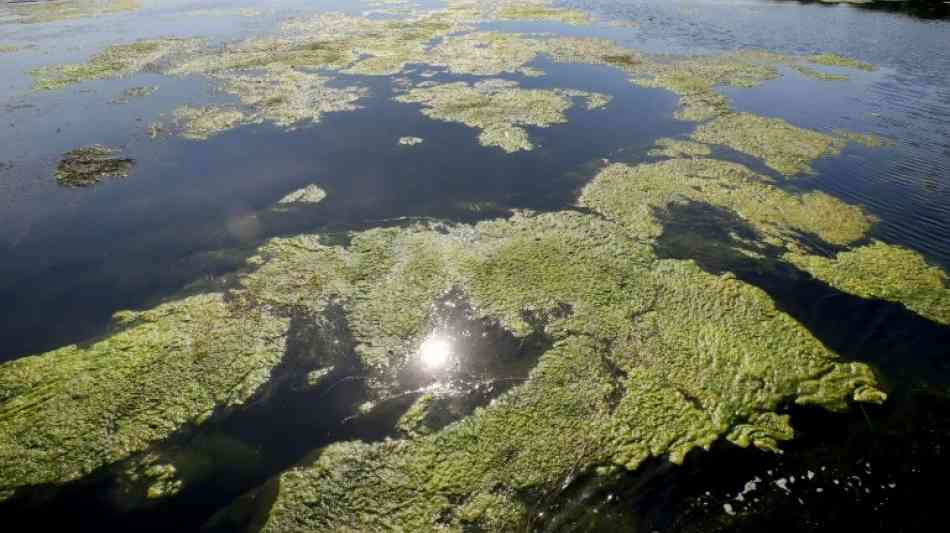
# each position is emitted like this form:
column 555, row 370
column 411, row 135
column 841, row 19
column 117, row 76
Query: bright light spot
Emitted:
column 435, row 352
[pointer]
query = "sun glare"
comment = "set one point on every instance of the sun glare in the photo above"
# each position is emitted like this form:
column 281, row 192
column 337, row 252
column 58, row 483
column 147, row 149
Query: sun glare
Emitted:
column 435, row 352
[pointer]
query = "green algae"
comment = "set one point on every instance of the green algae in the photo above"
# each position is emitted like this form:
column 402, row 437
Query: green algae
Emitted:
column 70, row 411
column 632, row 195
column 413, row 422
column 43, row 12
column 885, row 272
column 695, row 79
column 542, row 12
column 8, row 48
column 114, row 62
column 815, row 74
column 134, row 93
column 202, row 123
column 311, row 194
column 87, row 166
column 835, row 60
column 785, row 148
column 498, row 108
column 678, row 148
column 654, row 358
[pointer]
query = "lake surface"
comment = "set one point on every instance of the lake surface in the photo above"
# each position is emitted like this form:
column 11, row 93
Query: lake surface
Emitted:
column 193, row 211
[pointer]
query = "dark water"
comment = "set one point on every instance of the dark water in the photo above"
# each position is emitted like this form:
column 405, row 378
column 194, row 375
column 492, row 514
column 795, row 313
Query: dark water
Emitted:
column 193, row 211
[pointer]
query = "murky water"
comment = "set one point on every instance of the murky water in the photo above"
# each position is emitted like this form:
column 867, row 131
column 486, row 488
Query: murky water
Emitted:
column 194, row 211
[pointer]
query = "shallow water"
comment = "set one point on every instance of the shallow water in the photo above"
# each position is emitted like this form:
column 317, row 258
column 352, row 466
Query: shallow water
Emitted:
column 193, row 211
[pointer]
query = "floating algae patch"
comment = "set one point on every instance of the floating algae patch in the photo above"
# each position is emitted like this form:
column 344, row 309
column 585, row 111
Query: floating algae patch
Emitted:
column 815, row 74
column 113, row 62
column 651, row 358
column 835, row 60
column 542, row 11
column 311, row 194
column 677, row 148
column 286, row 96
column 201, row 123
column 694, row 79
column 787, row 149
column 499, row 108
column 87, row 166
column 134, row 93
column 40, row 12
column 410, row 141
column 885, row 272
column 70, row 411
column 631, row 195
column 484, row 53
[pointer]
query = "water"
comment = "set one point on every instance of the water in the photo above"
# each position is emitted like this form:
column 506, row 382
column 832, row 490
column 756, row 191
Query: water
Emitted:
column 195, row 210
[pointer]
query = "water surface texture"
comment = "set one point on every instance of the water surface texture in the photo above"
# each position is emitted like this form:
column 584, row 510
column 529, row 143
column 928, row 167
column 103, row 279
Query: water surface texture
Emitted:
column 486, row 265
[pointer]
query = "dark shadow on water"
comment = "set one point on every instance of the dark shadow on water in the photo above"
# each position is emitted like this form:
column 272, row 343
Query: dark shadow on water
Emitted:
column 318, row 395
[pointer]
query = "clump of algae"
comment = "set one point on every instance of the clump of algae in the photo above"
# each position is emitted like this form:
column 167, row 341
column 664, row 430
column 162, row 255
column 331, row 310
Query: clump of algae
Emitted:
column 498, row 108
column 628, row 377
column 654, row 358
column 541, row 10
column 809, row 72
column 311, row 194
column 70, row 411
column 885, row 272
column 785, row 148
column 41, row 12
column 114, row 62
column 835, row 60
column 134, row 93
column 677, row 148
column 86, row 166
column 631, row 195
column 201, row 123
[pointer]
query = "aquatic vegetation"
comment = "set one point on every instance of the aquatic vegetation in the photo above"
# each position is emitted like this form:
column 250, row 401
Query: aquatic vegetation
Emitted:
column 785, row 148
column 8, row 48
column 809, row 72
column 288, row 97
column 677, row 148
column 410, row 141
column 41, row 12
column 70, row 411
column 632, row 196
column 311, row 194
column 694, row 80
column 87, row 166
column 653, row 358
column 835, row 60
column 886, row 272
column 484, row 53
column 201, row 123
column 413, row 422
column 113, row 62
column 498, row 108
column 135, row 92
column 526, row 10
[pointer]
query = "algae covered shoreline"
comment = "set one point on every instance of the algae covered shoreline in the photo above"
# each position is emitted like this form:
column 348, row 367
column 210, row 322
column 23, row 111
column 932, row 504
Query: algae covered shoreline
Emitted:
column 476, row 373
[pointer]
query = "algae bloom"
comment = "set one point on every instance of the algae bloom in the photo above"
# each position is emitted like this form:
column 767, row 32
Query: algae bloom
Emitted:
column 87, row 166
